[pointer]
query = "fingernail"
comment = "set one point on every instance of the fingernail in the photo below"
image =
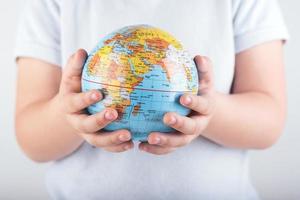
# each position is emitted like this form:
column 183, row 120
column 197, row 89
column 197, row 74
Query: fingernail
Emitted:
column 109, row 115
column 187, row 100
column 127, row 147
column 144, row 148
column 172, row 120
column 156, row 140
column 124, row 138
column 94, row 96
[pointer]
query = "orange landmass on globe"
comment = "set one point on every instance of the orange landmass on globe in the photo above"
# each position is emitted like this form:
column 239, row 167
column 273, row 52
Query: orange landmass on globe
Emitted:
column 136, row 109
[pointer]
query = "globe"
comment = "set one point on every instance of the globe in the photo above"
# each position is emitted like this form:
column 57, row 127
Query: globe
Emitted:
column 142, row 72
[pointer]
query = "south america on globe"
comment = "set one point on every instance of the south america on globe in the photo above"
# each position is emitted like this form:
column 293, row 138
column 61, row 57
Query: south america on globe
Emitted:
column 142, row 71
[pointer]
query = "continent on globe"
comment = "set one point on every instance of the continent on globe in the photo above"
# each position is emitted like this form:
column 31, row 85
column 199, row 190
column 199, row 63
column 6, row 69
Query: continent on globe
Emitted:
column 142, row 71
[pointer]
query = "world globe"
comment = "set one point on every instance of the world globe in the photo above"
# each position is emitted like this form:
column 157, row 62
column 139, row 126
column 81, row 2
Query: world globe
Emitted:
column 142, row 72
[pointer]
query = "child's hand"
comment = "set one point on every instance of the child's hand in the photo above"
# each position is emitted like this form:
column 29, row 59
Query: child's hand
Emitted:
column 73, row 104
column 189, row 128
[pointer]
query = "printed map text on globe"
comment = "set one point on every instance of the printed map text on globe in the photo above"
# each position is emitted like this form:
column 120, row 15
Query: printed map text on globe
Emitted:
column 143, row 71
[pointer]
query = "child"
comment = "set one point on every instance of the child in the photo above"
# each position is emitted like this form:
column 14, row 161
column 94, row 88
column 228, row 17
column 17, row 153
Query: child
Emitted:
column 242, row 102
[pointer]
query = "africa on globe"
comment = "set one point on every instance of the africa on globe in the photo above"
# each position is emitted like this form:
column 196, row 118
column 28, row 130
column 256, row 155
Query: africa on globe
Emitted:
column 142, row 71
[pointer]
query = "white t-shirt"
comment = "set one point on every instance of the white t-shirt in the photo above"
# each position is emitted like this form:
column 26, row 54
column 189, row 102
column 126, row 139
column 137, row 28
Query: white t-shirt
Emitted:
column 52, row 30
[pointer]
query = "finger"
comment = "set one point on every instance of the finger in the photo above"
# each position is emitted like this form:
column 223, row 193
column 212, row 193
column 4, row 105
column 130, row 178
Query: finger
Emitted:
column 71, row 78
column 93, row 123
column 154, row 149
column 171, row 140
column 205, row 71
column 76, row 102
column 201, row 104
column 182, row 124
column 107, row 139
column 120, row 147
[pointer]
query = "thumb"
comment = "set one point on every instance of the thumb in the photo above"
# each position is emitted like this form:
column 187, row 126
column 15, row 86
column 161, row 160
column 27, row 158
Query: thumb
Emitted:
column 71, row 77
column 205, row 71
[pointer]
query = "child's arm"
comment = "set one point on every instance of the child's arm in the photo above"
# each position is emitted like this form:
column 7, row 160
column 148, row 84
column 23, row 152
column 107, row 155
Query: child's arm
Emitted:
column 252, row 117
column 50, row 121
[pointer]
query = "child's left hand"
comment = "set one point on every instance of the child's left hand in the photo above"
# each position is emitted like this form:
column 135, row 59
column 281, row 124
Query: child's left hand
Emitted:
column 188, row 128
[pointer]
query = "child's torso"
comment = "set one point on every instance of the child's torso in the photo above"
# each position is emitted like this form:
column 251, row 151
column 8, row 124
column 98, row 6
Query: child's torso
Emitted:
column 201, row 170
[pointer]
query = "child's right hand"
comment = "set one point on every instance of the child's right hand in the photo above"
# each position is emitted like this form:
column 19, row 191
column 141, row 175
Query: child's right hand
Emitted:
column 72, row 102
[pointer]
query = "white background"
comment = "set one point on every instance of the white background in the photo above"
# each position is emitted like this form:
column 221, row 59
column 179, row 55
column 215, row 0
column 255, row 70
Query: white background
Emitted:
column 275, row 172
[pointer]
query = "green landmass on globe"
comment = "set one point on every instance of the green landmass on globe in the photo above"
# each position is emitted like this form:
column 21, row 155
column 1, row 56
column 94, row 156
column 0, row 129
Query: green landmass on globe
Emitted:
column 143, row 71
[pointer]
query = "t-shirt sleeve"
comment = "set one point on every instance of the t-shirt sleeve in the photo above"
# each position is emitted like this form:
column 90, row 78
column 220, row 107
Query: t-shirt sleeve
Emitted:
column 38, row 33
column 256, row 22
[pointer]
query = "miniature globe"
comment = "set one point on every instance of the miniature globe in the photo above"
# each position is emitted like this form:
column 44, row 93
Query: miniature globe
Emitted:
column 142, row 71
